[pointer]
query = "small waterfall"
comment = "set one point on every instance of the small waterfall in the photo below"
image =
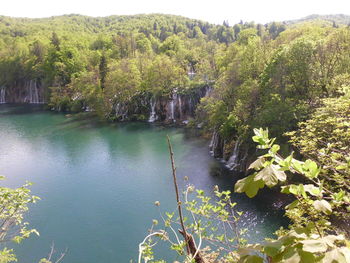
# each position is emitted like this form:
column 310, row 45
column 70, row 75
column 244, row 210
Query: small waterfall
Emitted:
column 2, row 95
column 214, row 142
column 172, row 110
column 232, row 163
column 121, row 111
column 180, row 106
column 207, row 91
column 153, row 116
column 117, row 109
column 171, row 107
column 32, row 92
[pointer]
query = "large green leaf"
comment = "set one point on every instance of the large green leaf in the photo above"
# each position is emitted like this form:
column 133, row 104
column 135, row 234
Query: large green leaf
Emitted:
column 291, row 255
column 251, row 259
column 311, row 169
column 334, row 256
column 314, row 245
column 249, row 185
column 257, row 164
column 312, row 190
column 323, row 206
column 271, row 175
column 273, row 248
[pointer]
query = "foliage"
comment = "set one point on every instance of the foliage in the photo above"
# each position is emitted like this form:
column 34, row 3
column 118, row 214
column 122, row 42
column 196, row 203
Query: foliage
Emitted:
column 325, row 138
column 59, row 52
column 310, row 237
column 14, row 204
column 211, row 221
column 276, row 81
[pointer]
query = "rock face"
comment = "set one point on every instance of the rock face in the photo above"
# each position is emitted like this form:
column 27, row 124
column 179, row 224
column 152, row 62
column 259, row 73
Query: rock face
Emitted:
column 2, row 94
column 28, row 91
column 180, row 107
column 177, row 107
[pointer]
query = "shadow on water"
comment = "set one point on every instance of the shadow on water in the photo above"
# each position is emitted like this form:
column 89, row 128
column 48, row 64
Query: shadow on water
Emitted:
column 20, row 109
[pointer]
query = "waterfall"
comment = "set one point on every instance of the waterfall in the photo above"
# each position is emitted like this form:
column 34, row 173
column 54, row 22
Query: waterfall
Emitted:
column 207, row 91
column 172, row 111
column 232, row 163
column 88, row 109
column 180, row 106
column 171, row 107
column 213, row 143
column 121, row 111
column 153, row 116
column 32, row 92
column 2, row 95
column 117, row 108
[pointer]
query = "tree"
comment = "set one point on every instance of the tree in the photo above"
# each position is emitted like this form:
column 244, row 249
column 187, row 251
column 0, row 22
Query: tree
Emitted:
column 325, row 138
column 55, row 41
column 103, row 70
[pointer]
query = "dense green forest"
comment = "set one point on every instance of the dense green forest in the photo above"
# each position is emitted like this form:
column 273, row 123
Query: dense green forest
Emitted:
column 290, row 77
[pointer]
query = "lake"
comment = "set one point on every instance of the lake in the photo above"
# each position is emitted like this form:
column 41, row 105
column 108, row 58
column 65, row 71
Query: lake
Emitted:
column 98, row 182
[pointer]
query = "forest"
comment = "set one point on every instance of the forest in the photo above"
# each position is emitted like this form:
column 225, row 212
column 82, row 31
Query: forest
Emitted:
column 290, row 78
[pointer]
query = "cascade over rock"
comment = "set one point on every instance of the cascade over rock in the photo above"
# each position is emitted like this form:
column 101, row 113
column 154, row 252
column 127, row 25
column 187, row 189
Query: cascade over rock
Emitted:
column 24, row 91
column 121, row 111
column 181, row 107
column 216, row 145
column 237, row 160
column 153, row 116
column 32, row 92
column 176, row 107
column 170, row 116
column 233, row 161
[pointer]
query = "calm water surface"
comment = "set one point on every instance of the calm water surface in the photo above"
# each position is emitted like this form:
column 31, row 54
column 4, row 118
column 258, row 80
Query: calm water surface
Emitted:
column 98, row 183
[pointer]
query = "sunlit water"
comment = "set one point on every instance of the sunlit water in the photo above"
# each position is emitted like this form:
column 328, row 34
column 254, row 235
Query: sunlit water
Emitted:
column 98, row 183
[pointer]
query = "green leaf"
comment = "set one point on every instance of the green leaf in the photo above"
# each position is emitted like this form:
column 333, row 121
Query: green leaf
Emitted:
column 307, row 257
column 257, row 164
column 312, row 190
column 251, row 259
column 314, row 245
column 323, row 206
column 297, row 165
column 271, row 175
column 275, row 148
column 291, row 255
column 286, row 163
column 311, row 168
column 273, row 248
column 334, row 255
column 249, row 186
column 292, row 205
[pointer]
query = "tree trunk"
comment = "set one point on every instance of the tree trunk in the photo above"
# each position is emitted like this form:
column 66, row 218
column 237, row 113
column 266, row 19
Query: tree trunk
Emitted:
column 192, row 247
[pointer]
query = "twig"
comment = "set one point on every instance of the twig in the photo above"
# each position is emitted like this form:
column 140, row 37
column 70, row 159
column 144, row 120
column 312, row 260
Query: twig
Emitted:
column 144, row 241
column 178, row 196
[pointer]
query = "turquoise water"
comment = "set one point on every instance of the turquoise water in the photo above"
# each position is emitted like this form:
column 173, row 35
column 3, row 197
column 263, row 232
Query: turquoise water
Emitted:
column 98, row 182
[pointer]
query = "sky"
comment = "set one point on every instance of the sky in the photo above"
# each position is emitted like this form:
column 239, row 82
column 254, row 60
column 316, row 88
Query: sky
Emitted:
column 214, row 11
